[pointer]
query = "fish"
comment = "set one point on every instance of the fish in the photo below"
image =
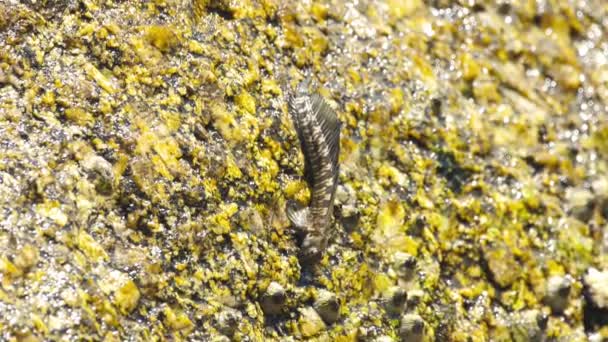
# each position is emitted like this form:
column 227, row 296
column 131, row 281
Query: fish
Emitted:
column 318, row 129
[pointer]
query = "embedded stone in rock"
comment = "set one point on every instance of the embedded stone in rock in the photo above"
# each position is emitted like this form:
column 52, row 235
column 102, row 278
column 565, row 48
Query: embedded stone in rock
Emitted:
column 228, row 321
column 27, row 257
column 274, row 299
column 327, row 306
column 501, row 263
column 99, row 172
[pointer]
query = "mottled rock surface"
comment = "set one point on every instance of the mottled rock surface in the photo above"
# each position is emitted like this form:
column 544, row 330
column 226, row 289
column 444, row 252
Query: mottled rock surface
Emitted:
column 146, row 156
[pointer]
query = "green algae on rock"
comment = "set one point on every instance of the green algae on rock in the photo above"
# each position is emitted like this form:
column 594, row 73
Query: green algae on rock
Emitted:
column 146, row 157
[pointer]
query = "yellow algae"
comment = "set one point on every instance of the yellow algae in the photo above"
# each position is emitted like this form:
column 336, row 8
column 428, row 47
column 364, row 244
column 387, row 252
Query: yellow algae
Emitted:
column 79, row 116
column 220, row 222
column 127, row 297
column 245, row 101
column 470, row 67
column 177, row 320
column 91, row 248
column 399, row 9
column 161, row 37
column 271, row 87
column 102, row 80
column 52, row 210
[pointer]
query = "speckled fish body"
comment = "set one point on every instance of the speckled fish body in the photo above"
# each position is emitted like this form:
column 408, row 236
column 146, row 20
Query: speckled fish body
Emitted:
column 318, row 130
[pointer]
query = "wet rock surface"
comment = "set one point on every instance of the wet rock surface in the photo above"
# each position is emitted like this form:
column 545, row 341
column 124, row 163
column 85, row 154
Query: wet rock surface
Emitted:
column 146, row 157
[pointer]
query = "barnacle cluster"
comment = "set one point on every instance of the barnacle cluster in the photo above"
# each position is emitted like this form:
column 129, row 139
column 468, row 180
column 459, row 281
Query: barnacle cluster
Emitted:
column 146, row 157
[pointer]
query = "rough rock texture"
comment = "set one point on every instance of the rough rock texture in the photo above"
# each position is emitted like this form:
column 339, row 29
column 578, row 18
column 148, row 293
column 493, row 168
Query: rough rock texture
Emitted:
column 146, row 156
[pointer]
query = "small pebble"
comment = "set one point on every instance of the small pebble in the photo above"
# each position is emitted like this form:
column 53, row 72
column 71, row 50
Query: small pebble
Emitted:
column 228, row 321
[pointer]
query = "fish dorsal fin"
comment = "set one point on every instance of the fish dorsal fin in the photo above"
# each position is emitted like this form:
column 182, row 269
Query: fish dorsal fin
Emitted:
column 297, row 214
column 330, row 126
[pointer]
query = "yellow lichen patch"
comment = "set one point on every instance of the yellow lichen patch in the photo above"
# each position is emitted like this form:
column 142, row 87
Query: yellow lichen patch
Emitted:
column 382, row 282
column 293, row 38
column 52, row 210
column 220, row 222
column 169, row 152
column 91, row 248
column 399, row 9
column 163, row 38
column 102, row 80
column 389, row 233
column 425, row 72
column 123, row 292
column 396, row 100
column 27, row 257
column 232, row 171
column 79, row 116
column 8, row 269
column 177, row 320
column 297, row 190
column 470, row 68
column 319, row 11
column 246, row 102
column 226, row 124
column 310, row 323
column 271, row 87
column 486, row 90
column 392, row 175
column 196, row 47
column 127, row 297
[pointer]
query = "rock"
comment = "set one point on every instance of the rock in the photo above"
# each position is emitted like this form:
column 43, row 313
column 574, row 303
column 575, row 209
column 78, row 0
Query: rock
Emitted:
column 27, row 257
column 228, row 321
column 100, row 172
column 383, row 339
column 558, row 289
column 127, row 297
column 411, row 328
column 310, row 322
column 274, row 299
column 346, row 200
column 327, row 306
column 501, row 263
column 528, row 325
column 596, row 283
column 122, row 288
column 600, row 187
column 393, row 299
column 177, row 320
